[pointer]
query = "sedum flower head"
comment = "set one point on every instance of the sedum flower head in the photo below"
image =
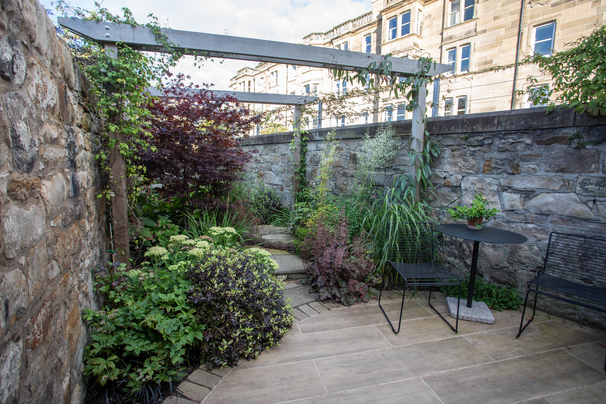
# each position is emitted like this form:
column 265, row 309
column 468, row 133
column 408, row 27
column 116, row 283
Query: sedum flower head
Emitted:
column 156, row 251
column 197, row 252
column 202, row 244
column 179, row 238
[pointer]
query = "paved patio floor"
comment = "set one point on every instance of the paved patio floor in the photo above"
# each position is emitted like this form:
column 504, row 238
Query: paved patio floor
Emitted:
column 350, row 355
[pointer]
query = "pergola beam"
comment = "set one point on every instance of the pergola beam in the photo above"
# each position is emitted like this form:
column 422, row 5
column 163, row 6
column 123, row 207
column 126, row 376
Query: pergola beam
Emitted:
column 255, row 98
column 232, row 47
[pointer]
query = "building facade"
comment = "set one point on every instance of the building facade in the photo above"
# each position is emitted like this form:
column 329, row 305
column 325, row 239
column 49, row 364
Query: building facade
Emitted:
column 481, row 39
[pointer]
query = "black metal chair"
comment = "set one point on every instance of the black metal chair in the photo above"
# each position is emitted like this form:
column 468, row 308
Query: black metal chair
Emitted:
column 574, row 272
column 413, row 258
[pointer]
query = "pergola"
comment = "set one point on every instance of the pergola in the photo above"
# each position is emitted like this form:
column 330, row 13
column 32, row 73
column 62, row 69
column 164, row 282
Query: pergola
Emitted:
column 231, row 47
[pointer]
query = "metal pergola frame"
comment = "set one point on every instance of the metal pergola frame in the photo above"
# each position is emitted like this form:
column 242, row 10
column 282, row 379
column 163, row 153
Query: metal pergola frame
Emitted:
column 240, row 48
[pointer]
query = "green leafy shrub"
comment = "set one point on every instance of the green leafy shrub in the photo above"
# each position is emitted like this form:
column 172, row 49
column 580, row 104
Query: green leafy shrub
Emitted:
column 498, row 297
column 241, row 305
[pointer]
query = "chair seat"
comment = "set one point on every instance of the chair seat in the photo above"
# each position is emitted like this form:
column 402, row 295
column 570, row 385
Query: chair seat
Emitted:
column 565, row 287
column 425, row 273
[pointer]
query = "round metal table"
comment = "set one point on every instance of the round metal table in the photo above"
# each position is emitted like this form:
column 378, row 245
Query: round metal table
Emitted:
column 483, row 235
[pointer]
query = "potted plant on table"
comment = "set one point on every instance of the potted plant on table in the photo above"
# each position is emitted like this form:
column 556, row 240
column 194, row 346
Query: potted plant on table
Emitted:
column 475, row 214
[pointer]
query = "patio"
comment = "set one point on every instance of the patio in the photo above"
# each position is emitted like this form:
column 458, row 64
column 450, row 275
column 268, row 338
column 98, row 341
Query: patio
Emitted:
column 350, row 355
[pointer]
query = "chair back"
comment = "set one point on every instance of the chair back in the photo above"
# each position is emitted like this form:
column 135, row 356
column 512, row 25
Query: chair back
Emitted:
column 413, row 243
column 577, row 258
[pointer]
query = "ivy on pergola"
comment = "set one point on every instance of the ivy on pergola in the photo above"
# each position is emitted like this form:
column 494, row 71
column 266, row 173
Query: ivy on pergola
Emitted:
column 240, row 48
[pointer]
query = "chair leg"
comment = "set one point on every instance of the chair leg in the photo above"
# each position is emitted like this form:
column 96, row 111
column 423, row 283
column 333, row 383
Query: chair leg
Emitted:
column 401, row 308
column 536, row 295
column 455, row 329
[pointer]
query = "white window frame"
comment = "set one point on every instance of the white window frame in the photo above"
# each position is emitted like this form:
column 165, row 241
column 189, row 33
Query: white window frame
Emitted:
column 368, row 43
column 403, row 25
column 464, row 110
column 338, row 88
column 534, row 37
column 401, row 112
column 460, row 15
column 451, row 52
column 447, row 102
column 306, row 89
column 462, row 59
column 453, row 15
column 392, row 28
column 534, row 89
column 419, row 22
column 345, row 46
column 388, row 113
column 467, row 7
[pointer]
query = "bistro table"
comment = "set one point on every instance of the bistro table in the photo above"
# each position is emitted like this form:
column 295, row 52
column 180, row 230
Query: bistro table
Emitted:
column 483, row 235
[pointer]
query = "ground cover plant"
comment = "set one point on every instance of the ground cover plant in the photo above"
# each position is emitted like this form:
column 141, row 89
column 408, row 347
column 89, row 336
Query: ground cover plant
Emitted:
column 497, row 297
column 195, row 300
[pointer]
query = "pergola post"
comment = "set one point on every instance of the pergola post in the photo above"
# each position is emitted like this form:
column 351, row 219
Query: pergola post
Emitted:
column 319, row 114
column 417, row 135
column 297, row 151
column 117, row 185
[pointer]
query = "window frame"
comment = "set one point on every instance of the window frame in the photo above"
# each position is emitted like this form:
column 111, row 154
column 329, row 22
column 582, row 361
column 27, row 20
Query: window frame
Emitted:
column 463, row 98
column 389, row 113
column 453, row 71
column 392, row 31
column 407, row 25
column 553, row 34
column 453, row 16
column 466, row 8
column 462, row 58
column 448, row 101
column 368, row 43
column 401, row 108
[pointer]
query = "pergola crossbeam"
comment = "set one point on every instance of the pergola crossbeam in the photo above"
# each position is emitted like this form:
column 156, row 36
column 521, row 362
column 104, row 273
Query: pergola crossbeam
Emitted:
column 232, row 47
column 255, row 98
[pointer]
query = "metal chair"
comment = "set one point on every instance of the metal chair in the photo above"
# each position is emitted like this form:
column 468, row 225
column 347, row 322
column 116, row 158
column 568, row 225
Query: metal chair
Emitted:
column 414, row 260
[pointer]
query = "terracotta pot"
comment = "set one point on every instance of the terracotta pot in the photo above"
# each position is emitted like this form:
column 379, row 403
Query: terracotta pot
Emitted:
column 473, row 222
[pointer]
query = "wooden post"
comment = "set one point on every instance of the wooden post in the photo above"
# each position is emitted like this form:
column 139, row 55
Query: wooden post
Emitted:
column 319, row 114
column 417, row 135
column 297, row 151
column 119, row 198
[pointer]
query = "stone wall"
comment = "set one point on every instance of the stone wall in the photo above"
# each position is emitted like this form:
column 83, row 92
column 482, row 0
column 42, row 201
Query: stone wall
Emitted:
column 544, row 172
column 51, row 228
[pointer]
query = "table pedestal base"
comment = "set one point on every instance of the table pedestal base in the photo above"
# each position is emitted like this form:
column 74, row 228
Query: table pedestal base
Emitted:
column 479, row 311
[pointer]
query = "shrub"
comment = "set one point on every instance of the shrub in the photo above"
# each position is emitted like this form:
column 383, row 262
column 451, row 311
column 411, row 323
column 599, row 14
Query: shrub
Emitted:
column 243, row 308
column 265, row 203
column 338, row 269
column 498, row 297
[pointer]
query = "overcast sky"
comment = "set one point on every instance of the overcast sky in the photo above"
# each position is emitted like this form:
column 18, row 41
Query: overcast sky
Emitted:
column 277, row 20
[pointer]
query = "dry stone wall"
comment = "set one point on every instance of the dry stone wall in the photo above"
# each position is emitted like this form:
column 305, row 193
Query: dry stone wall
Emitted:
column 51, row 225
column 544, row 172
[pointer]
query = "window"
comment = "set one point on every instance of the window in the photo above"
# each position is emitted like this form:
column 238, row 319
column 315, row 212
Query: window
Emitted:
column 367, row 43
column 455, row 11
column 338, row 88
column 538, row 95
column 345, row 46
column 464, row 62
column 405, row 30
column 314, row 123
column 306, row 88
column 365, row 118
column 448, row 107
column 389, row 113
column 273, row 79
column 344, row 87
column 451, row 59
column 461, row 105
column 342, row 120
column 419, row 23
column 392, row 32
column 401, row 112
column 315, row 88
column 543, row 38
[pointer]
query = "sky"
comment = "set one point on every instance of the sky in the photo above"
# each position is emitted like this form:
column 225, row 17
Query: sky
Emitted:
column 276, row 20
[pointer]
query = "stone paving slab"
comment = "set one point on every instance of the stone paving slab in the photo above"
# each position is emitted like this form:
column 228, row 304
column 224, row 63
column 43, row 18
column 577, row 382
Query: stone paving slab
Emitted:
column 514, row 380
column 502, row 343
column 308, row 310
column 593, row 394
column 347, row 372
column 179, row 400
column 204, row 378
column 300, row 295
column 268, row 385
column 289, row 264
column 298, row 314
column 193, row 391
column 408, row 391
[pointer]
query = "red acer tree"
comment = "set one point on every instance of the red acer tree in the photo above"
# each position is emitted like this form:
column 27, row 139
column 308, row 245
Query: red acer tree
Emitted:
column 195, row 151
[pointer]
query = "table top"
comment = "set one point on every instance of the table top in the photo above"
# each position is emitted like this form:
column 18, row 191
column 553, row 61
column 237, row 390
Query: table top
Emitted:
column 485, row 234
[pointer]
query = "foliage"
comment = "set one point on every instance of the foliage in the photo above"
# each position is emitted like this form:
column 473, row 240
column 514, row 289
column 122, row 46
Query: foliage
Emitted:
column 263, row 202
column 579, row 73
column 145, row 333
column 479, row 208
column 196, row 154
column 326, row 159
column 374, row 153
column 241, row 305
column 338, row 268
column 498, row 297
column 386, row 218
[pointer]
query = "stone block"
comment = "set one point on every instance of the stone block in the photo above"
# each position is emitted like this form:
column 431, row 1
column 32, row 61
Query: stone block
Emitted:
column 54, row 193
column 193, row 391
column 572, row 161
column 512, row 201
column 10, row 369
column 515, row 143
column 532, row 182
column 576, row 226
column 12, row 62
column 591, row 186
column 551, row 137
column 470, row 186
column 13, row 297
column 567, row 204
column 204, row 378
column 22, row 229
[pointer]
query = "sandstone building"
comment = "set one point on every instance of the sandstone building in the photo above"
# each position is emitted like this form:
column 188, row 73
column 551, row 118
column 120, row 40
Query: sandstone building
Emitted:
column 480, row 39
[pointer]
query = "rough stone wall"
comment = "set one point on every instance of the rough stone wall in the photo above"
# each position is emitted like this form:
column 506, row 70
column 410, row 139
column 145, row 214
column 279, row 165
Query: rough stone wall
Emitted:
column 51, row 229
column 544, row 172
